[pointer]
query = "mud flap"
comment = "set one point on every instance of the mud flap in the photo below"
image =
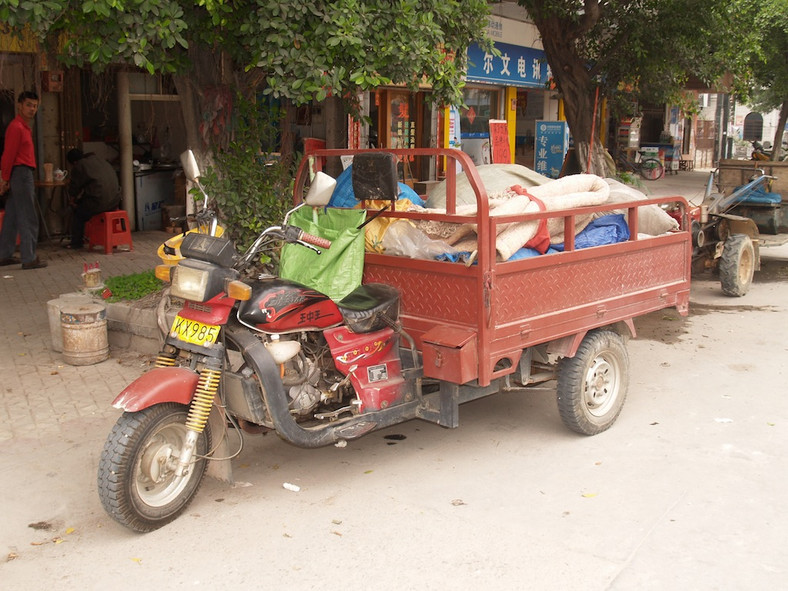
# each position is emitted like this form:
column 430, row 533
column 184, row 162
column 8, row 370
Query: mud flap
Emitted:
column 221, row 469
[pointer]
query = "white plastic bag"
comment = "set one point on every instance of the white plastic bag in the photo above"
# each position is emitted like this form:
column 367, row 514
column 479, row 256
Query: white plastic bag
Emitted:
column 403, row 239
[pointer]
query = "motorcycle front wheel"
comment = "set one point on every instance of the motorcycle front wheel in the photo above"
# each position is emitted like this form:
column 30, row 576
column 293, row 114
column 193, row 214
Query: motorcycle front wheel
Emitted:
column 137, row 483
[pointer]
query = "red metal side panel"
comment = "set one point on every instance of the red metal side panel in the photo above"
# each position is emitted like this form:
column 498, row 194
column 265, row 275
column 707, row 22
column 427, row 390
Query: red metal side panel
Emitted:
column 540, row 299
column 586, row 289
column 431, row 293
column 588, row 276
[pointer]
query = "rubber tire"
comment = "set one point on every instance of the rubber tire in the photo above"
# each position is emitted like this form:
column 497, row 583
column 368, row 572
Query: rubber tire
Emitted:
column 737, row 265
column 119, row 474
column 592, row 385
column 651, row 169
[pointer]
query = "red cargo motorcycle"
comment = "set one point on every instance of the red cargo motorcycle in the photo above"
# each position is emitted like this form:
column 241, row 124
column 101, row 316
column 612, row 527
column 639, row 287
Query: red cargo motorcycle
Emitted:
column 250, row 355
column 254, row 355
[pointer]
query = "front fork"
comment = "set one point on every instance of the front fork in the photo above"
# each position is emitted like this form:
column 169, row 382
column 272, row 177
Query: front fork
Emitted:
column 199, row 409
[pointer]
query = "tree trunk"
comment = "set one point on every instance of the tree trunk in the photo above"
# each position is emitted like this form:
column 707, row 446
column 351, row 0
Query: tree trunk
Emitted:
column 190, row 112
column 209, row 71
column 777, row 146
column 287, row 141
column 336, row 131
column 574, row 82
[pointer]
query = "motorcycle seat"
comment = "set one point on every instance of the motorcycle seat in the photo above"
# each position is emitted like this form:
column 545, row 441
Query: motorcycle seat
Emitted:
column 370, row 307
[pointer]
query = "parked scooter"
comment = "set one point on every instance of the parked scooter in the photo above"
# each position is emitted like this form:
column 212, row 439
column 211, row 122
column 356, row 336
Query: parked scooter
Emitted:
column 277, row 354
column 763, row 152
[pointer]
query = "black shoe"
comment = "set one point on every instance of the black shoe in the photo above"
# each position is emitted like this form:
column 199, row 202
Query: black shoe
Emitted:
column 9, row 261
column 36, row 263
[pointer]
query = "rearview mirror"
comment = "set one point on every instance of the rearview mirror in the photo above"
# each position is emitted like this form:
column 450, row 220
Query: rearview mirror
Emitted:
column 190, row 168
column 320, row 190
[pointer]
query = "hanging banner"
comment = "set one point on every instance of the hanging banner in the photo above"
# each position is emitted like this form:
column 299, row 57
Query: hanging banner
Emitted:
column 353, row 133
column 499, row 142
column 454, row 128
column 552, row 142
column 454, row 131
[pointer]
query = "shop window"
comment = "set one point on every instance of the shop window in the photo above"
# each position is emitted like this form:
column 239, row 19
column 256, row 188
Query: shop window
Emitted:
column 401, row 119
column 481, row 106
column 400, row 125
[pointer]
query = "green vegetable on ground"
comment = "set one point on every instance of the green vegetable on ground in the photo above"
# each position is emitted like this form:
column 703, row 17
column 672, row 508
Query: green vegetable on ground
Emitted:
column 132, row 287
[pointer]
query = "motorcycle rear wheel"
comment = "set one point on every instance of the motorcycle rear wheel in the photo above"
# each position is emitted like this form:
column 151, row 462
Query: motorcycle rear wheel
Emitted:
column 136, row 484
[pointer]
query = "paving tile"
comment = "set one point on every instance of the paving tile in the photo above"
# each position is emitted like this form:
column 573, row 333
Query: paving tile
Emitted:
column 40, row 394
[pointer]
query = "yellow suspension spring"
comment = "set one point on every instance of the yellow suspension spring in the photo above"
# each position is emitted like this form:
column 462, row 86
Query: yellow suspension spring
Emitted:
column 165, row 360
column 203, row 399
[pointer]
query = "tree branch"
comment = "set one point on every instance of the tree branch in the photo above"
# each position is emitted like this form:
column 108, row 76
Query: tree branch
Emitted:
column 592, row 14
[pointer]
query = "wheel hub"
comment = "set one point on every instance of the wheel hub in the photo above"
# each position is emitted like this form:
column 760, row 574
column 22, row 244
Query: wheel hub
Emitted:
column 745, row 267
column 157, row 482
column 601, row 386
column 154, row 461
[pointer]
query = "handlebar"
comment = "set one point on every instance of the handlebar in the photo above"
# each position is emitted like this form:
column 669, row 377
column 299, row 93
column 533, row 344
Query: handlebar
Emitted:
column 315, row 240
column 294, row 234
column 290, row 234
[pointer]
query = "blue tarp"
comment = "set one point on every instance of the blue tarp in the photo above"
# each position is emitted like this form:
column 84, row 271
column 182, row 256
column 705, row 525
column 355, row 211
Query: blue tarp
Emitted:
column 607, row 229
column 343, row 195
column 759, row 196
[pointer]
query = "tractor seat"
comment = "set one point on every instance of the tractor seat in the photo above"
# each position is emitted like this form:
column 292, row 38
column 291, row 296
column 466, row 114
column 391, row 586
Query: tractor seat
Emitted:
column 365, row 308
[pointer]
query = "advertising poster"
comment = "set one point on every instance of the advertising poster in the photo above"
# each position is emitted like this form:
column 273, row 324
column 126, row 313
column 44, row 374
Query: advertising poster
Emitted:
column 552, row 142
column 499, row 142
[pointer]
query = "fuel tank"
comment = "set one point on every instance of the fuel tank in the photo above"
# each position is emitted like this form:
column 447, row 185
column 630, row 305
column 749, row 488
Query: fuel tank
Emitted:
column 282, row 306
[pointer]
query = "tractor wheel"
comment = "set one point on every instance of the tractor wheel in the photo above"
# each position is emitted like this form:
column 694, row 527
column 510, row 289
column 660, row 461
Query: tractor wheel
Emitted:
column 737, row 265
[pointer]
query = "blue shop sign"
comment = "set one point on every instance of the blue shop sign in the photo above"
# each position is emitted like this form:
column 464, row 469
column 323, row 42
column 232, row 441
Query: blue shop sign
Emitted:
column 516, row 66
column 552, row 142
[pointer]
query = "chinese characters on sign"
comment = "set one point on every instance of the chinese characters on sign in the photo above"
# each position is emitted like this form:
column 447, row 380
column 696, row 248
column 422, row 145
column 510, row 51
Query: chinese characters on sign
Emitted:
column 516, row 66
column 403, row 128
column 552, row 142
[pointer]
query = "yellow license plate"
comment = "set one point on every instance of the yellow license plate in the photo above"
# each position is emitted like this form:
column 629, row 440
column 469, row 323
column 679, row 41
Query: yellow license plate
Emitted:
column 194, row 332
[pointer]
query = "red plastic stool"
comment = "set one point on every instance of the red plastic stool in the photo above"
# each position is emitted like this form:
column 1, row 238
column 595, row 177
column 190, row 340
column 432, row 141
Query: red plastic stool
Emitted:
column 108, row 230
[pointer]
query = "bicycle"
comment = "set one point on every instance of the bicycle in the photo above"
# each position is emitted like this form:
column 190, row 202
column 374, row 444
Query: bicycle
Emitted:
column 650, row 169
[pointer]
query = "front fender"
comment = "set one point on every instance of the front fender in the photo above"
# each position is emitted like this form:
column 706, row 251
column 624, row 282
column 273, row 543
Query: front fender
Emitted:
column 161, row 384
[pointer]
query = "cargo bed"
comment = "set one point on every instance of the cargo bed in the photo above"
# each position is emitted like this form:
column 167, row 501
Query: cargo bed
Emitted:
column 474, row 323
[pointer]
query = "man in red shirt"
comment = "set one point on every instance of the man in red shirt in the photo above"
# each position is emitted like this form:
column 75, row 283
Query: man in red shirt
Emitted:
column 17, row 167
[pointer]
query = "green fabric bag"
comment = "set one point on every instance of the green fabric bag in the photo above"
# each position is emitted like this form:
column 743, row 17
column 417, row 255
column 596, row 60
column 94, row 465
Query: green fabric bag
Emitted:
column 337, row 271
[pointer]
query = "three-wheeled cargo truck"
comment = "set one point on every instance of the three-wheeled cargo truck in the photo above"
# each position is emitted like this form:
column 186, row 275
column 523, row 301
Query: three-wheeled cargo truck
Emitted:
column 496, row 325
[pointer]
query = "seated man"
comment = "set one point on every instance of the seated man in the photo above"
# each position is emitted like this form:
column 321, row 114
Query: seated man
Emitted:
column 93, row 188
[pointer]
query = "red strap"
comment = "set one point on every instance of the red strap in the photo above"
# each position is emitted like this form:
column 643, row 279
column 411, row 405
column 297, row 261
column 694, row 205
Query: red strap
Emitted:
column 541, row 240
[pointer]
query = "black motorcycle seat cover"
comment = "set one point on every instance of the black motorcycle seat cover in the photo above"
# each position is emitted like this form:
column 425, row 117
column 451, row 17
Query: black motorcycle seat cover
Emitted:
column 364, row 307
